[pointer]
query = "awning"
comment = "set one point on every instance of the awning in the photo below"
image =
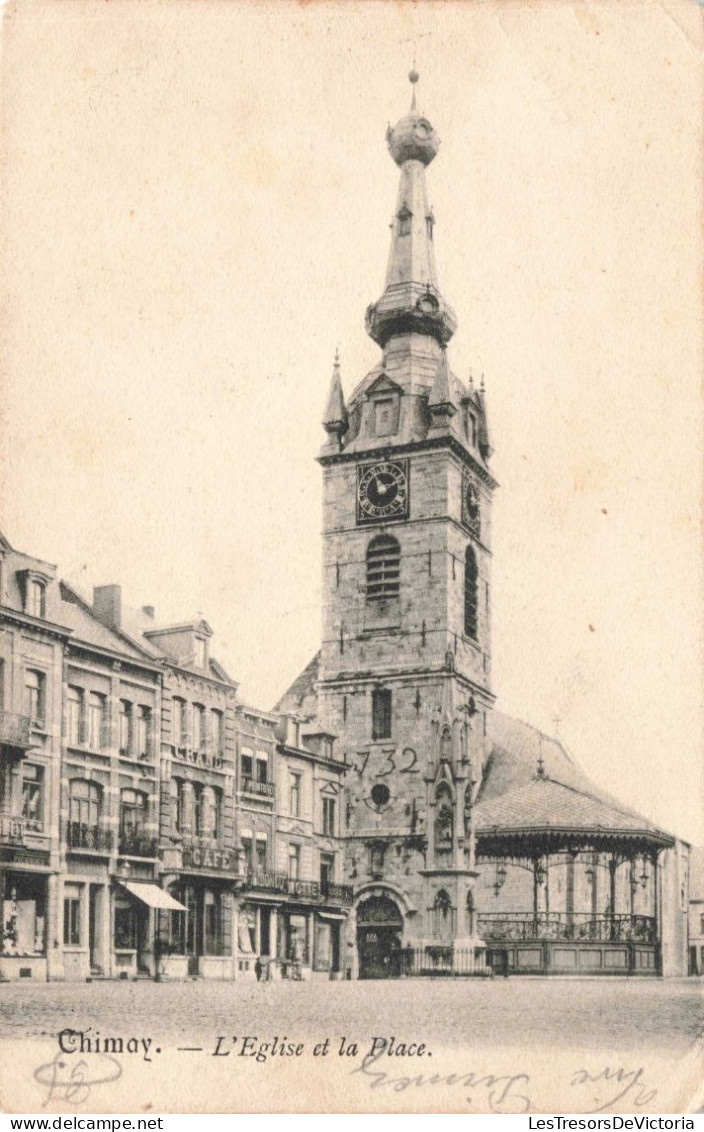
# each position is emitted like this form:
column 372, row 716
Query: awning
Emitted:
column 336, row 916
column 152, row 896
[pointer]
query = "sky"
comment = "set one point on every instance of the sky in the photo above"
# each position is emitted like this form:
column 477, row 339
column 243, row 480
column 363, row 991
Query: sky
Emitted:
column 195, row 206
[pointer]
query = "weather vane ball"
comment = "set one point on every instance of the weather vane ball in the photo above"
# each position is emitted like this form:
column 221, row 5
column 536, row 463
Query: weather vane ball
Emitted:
column 413, row 76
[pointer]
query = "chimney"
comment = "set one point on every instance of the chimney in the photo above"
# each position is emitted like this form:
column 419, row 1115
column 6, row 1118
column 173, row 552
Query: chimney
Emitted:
column 149, row 611
column 107, row 605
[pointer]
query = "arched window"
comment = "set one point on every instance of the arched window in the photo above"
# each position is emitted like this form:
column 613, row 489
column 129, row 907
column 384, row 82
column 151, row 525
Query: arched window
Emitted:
column 36, row 598
column 471, row 594
column 383, row 567
column 133, row 813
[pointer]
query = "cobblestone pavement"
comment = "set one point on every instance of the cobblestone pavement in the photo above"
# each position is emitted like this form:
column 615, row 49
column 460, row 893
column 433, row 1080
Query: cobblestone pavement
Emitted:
column 658, row 1015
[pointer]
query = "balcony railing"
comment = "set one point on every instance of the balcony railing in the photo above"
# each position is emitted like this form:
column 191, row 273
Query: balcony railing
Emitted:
column 337, row 893
column 91, row 837
column 12, row 830
column 298, row 886
column 264, row 789
column 138, row 845
column 15, row 731
column 582, row 926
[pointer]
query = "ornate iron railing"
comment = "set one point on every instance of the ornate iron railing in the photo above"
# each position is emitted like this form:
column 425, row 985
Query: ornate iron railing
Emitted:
column 139, row 845
column 15, row 730
column 440, row 960
column 93, row 837
column 601, row 928
column 337, row 893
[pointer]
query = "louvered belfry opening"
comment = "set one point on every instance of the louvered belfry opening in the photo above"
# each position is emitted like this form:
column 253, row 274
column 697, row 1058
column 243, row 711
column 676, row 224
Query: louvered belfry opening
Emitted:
column 383, row 567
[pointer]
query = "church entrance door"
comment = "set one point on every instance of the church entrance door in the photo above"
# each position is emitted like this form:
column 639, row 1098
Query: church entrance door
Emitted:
column 379, row 932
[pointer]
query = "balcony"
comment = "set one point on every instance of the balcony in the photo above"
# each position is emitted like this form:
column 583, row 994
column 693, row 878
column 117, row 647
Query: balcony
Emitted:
column 337, row 893
column 138, row 845
column 15, row 732
column 92, row 838
column 263, row 789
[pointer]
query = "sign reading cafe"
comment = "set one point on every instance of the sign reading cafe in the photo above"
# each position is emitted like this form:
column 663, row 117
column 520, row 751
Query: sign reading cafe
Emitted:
column 199, row 857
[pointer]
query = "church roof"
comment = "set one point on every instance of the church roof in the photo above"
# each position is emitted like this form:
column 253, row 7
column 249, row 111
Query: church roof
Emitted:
column 300, row 698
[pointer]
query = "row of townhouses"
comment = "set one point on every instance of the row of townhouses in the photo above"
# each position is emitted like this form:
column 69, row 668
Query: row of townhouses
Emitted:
column 152, row 824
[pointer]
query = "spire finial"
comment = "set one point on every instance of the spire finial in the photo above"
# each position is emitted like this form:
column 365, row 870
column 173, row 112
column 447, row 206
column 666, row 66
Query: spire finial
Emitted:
column 482, row 387
column 413, row 78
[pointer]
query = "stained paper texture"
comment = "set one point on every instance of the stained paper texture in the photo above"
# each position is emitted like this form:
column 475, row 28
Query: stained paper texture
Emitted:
column 454, row 866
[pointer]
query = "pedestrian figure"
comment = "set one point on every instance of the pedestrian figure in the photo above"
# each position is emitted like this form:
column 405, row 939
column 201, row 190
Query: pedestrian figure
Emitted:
column 258, row 969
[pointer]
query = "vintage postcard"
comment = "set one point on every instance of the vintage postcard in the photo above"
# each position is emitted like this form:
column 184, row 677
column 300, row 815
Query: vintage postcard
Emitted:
column 351, row 558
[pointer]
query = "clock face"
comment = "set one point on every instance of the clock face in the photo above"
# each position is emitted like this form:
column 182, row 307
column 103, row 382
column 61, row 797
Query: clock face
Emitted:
column 382, row 491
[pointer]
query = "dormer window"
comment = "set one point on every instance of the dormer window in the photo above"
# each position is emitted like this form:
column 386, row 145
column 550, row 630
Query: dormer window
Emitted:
column 36, row 598
column 33, row 592
column 384, row 417
column 471, row 427
column 200, row 652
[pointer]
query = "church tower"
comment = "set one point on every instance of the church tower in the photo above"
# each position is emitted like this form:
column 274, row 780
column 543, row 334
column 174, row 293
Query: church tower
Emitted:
column 405, row 671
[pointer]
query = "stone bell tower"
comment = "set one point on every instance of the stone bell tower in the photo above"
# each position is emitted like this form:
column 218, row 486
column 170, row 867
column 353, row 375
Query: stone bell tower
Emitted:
column 405, row 673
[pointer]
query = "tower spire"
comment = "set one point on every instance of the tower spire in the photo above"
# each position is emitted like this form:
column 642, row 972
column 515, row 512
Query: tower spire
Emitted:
column 412, row 301
column 335, row 421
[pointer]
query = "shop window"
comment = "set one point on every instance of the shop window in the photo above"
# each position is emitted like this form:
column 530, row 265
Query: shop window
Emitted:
column 74, row 716
column 329, row 816
column 72, row 915
column 262, row 852
column 23, row 914
column 297, row 939
column 212, row 924
column 295, row 806
column 294, row 862
column 96, row 721
column 381, row 713
column 33, row 796
column 125, row 727
column 125, row 927
column 35, row 696
column 144, row 729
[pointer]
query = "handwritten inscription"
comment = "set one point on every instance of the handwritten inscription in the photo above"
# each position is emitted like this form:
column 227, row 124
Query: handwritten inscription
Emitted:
column 72, row 1081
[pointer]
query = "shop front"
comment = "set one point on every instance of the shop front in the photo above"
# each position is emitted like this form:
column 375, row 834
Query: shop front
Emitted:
column 201, row 940
column 291, row 928
column 23, row 939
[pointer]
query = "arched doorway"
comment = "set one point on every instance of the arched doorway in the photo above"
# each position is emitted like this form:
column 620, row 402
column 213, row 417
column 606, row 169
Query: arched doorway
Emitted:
column 379, row 930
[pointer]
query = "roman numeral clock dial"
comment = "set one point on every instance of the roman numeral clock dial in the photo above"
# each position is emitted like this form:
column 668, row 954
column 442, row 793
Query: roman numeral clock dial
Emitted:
column 382, row 491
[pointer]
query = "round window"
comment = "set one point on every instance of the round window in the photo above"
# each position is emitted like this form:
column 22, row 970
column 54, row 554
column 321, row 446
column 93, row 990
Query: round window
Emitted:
column 380, row 794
